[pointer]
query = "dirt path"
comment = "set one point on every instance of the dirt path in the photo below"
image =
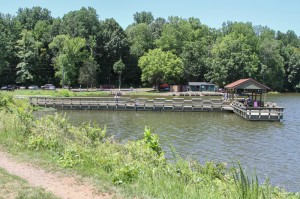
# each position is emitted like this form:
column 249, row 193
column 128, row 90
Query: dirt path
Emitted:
column 58, row 184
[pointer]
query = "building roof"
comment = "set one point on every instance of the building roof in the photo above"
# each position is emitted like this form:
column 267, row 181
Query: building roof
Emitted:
column 248, row 83
column 200, row 83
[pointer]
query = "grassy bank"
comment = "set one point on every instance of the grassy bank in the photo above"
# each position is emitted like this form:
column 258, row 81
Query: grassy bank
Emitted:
column 14, row 187
column 135, row 169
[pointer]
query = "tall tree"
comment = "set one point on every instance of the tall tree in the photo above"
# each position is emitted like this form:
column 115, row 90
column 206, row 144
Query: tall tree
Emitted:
column 113, row 46
column 156, row 27
column 160, row 67
column 232, row 58
column 195, row 59
column 290, row 38
column 272, row 64
column 28, row 49
column 5, row 47
column 44, row 70
column 140, row 39
column 80, row 23
column 70, row 53
column 28, row 17
column 119, row 67
column 10, row 30
column 196, row 53
column 291, row 57
column 143, row 17
column 88, row 72
column 174, row 35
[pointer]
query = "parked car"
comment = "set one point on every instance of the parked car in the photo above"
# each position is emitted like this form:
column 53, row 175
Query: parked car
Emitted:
column 8, row 88
column 48, row 87
column 107, row 86
column 164, row 87
column 33, row 87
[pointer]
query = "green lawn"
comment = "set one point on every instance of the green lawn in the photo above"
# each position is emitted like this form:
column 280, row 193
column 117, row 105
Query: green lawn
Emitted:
column 58, row 93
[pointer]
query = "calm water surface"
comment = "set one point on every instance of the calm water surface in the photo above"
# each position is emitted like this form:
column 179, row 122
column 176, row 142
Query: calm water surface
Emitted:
column 272, row 148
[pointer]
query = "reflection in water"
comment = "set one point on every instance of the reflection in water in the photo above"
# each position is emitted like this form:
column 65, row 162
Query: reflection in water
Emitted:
column 270, row 147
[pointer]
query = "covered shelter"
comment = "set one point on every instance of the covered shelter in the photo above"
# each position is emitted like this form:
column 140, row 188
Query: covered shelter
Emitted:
column 201, row 86
column 253, row 92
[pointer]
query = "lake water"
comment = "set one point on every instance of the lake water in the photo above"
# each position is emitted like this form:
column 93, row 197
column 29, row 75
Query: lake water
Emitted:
column 271, row 148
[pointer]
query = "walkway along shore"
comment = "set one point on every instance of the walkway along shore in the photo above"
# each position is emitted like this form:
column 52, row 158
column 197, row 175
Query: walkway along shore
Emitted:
column 61, row 185
column 270, row 113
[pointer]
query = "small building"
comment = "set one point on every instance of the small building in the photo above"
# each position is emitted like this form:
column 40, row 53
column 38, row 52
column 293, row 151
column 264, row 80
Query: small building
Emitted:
column 249, row 88
column 177, row 88
column 201, row 86
column 250, row 101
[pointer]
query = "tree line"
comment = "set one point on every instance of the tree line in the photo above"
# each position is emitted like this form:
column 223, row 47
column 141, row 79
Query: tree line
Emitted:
column 80, row 48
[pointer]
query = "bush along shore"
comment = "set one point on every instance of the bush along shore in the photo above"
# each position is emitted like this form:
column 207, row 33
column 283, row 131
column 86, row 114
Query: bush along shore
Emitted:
column 136, row 169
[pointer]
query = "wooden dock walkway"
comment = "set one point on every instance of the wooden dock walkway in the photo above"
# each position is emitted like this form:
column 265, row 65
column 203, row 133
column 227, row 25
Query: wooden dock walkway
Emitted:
column 270, row 113
column 160, row 104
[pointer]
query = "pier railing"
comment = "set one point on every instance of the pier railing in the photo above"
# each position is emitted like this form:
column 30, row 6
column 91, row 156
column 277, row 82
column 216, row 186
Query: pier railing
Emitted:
column 194, row 104
column 270, row 112
column 267, row 113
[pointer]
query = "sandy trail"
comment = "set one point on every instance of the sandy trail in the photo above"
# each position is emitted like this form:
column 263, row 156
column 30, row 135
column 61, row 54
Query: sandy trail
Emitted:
column 60, row 185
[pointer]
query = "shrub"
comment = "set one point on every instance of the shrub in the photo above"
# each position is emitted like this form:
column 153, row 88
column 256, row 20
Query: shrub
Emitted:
column 152, row 141
column 64, row 93
column 5, row 100
column 21, row 109
column 125, row 174
column 39, row 142
column 70, row 157
column 214, row 171
column 92, row 132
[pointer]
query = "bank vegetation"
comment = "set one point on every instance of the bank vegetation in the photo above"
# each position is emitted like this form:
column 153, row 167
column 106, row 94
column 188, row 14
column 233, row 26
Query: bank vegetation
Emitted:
column 136, row 169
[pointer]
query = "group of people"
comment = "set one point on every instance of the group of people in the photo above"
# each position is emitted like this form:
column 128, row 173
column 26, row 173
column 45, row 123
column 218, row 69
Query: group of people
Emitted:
column 225, row 97
column 247, row 101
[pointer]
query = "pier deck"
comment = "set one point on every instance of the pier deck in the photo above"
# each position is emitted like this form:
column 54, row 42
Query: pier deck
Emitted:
column 272, row 113
column 160, row 104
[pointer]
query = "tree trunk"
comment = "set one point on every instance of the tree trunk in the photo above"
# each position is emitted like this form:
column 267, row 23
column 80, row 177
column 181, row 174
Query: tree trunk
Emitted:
column 119, row 82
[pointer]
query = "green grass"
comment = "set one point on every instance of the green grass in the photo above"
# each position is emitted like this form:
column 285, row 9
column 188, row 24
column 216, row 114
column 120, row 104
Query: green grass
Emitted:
column 136, row 169
column 58, row 93
column 14, row 187
column 273, row 93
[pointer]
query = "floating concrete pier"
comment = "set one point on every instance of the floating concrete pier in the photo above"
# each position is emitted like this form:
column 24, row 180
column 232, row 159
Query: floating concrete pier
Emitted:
column 123, row 103
column 271, row 112
column 159, row 104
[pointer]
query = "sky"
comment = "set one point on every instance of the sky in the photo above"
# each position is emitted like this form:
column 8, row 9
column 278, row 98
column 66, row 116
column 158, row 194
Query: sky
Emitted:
column 282, row 15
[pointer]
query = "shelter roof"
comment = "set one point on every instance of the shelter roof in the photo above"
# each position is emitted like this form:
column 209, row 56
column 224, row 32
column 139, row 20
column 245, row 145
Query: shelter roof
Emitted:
column 248, row 83
column 200, row 83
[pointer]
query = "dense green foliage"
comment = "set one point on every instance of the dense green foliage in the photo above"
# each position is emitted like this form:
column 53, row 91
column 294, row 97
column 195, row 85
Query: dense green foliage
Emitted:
column 138, row 169
column 159, row 66
column 80, row 48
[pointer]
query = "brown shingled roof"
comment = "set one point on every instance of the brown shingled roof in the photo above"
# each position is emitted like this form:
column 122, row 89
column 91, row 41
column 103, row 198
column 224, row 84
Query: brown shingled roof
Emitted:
column 237, row 83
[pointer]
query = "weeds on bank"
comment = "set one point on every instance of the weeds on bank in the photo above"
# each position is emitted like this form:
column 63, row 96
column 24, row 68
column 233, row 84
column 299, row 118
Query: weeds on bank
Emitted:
column 139, row 168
